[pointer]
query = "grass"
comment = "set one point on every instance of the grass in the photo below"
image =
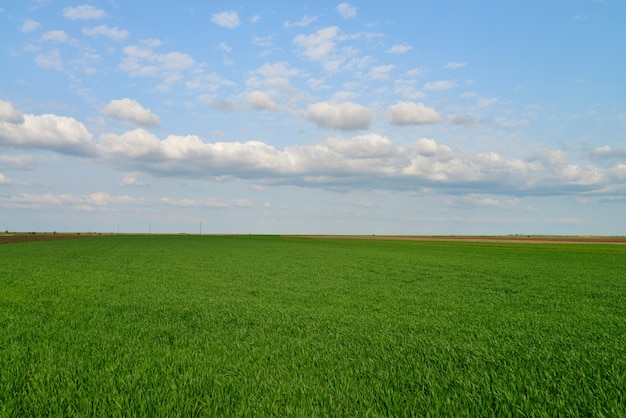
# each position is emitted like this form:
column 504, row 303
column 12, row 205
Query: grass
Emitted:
column 254, row 325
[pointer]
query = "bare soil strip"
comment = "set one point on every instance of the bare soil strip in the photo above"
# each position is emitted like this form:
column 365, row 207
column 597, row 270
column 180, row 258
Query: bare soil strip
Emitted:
column 35, row 237
column 530, row 239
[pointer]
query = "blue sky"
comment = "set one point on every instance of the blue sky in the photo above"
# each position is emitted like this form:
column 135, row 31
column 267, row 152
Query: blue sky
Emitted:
column 370, row 117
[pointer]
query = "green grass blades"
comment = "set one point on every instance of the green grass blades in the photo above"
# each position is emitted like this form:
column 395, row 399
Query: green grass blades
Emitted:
column 268, row 325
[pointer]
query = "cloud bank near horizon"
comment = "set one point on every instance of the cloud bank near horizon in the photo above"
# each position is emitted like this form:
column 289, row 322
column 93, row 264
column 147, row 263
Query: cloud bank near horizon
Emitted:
column 368, row 161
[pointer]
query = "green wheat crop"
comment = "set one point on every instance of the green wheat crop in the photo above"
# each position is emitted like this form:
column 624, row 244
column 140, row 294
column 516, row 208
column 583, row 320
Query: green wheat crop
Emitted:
column 280, row 326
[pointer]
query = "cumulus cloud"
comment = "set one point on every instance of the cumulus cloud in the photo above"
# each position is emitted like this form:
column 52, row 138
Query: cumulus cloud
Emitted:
column 409, row 113
column 222, row 105
column 608, row 152
column 345, row 116
column 198, row 203
column 274, row 80
column 9, row 114
column 346, row 10
column 16, row 162
column 83, row 12
column 305, row 21
column 318, row 45
column 362, row 146
column 228, row 20
column 87, row 202
column 260, row 100
column 550, row 157
column 188, row 155
column 454, row 65
column 55, row 36
column 52, row 60
column 243, row 202
column 369, row 160
column 131, row 110
column 30, row 25
column 381, row 72
column 140, row 60
column 108, row 32
column 50, row 132
column 132, row 179
column 440, row 85
column 399, row 49
column 463, row 119
column 485, row 102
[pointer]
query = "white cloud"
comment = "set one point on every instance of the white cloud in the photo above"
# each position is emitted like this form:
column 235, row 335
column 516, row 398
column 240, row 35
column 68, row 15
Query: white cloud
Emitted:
column 399, row 49
column 141, row 61
column 618, row 172
column 454, row 65
column 476, row 199
column 106, row 31
column 407, row 89
column 210, row 82
column 409, row 113
column 55, row 36
column 243, row 202
column 362, row 146
column 468, row 95
column 228, row 20
column 175, row 61
column 222, row 105
column 128, row 109
column 484, row 102
column 305, row 21
column 9, row 114
column 260, row 100
column 198, row 203
column 87, row 202
column 510, row 123
column 132, row 179
column 84, row 12
column 189, row 154
column 463, row 119
column 346, row 10
column 225, row 47
column 440, row 85
column 50, row 132
column 30, row 25
column 277, row 70
column 320, row 45
column 369, row 161
column 607, row 152
column 17, row 162
column 51, row 60
column 346, row 115
column 550, row 157
column 4, row 179
column 381, row 72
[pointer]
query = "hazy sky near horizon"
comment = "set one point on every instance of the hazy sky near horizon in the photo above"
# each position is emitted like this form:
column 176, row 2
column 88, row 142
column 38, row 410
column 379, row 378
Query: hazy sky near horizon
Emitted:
column 361, row 117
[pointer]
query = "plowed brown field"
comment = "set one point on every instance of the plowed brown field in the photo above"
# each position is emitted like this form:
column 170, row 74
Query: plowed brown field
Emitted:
column 29, row 237
column 531, row 239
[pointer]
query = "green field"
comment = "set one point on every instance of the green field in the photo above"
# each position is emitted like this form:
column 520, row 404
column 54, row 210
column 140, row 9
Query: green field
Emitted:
column 254, row 325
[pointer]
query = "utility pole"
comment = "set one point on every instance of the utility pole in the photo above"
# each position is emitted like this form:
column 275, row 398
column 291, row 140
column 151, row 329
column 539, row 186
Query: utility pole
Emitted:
column 200, row 227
